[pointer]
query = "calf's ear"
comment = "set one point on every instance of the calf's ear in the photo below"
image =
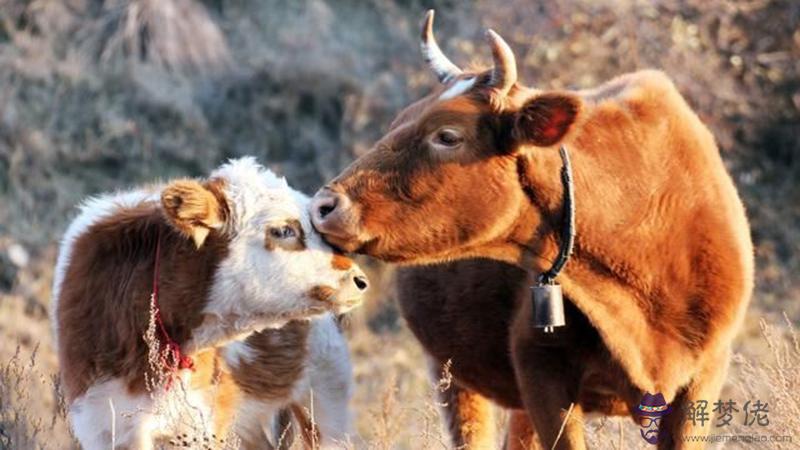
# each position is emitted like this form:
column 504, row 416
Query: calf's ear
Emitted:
column 545, row 119
column 192, row 208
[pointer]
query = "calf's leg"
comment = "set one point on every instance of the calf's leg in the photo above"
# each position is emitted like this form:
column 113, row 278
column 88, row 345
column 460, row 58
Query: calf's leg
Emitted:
column 107, row 416
column 251, row 420
column 331, row 384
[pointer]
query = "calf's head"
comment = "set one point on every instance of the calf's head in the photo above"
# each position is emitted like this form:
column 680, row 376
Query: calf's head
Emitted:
column 276, row 264
column 444, row 179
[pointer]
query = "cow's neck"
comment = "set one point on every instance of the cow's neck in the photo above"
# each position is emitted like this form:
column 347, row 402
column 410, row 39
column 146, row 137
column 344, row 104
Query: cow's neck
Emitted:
column 185, row 279
column 533, row 242
column 186, row 289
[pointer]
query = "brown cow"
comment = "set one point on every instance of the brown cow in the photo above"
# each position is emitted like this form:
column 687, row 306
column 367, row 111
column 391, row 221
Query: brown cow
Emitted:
column 663, row 263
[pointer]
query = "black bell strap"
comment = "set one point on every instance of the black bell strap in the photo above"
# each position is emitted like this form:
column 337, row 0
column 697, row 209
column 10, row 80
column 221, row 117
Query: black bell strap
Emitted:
column 548, row 300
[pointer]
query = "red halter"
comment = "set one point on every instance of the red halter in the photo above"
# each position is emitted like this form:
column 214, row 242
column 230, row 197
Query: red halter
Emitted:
column 172, row 358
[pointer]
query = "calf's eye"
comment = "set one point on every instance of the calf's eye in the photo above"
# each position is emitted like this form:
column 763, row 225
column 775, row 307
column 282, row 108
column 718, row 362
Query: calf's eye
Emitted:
column 283, row 232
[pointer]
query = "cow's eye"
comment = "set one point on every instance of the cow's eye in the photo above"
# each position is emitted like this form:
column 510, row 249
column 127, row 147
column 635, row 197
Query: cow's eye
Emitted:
column 448, row 137
column 283, row 232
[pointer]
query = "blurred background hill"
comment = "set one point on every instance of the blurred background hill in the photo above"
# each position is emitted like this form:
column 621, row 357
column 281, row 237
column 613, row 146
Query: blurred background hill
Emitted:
column 101, row 95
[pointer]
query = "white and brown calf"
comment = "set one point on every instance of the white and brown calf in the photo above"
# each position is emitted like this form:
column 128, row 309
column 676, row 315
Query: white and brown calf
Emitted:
column 235, row 254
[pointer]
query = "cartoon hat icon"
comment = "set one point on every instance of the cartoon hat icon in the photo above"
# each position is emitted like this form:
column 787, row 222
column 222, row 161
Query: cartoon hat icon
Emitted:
column 653, row 406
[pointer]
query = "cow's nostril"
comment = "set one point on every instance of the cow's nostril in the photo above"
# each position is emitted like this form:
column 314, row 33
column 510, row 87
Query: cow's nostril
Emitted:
column 327, row 207
column 361, row 282
column 325, row 210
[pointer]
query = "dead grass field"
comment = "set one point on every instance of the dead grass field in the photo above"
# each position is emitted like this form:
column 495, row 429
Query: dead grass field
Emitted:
column 97, row 96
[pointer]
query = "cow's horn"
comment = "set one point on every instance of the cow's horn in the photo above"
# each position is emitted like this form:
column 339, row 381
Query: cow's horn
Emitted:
column 504, row 74
column 444, row 69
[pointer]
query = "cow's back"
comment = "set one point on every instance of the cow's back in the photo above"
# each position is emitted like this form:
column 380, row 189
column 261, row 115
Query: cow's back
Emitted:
column 103, row 286
column 84, row 288
column 657, row 189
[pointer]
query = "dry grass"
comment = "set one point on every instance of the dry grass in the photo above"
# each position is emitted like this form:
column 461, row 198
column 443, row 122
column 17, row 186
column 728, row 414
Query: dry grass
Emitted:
column 23, row 389
column 169, row 34
column 774, row 377
column 395, row 401
column 97, row 95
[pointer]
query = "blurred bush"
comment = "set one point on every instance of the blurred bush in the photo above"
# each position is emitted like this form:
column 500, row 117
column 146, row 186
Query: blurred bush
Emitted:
column 98, row 95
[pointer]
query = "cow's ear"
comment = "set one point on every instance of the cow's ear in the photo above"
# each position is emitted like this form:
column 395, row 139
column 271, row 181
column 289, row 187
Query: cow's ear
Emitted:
column 545, row 119
column 193, row 208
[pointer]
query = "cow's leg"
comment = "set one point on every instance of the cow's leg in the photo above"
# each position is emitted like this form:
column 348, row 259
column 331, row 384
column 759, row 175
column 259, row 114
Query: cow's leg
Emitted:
column 468, row 415
column 548, row 385
column 705, row 386
column 546, row 397
column 107, row 416
column 521, row 435
column 469, row 418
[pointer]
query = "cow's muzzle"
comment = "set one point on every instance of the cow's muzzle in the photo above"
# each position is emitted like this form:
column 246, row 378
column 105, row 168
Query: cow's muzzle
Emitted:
column 349, row 293
column 335, row 217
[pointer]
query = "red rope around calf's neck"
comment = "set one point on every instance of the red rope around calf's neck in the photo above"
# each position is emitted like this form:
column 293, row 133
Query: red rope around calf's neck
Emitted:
column 172, row 358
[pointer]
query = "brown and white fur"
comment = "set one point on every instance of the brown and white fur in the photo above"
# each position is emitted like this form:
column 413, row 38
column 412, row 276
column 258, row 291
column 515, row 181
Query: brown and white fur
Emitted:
column 237, row 255
column 660, row 277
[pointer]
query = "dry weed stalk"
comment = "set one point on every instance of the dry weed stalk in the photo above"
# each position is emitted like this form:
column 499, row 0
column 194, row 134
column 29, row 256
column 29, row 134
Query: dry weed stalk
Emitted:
column 387, row 417
column 170, row 391
column 431, row 434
